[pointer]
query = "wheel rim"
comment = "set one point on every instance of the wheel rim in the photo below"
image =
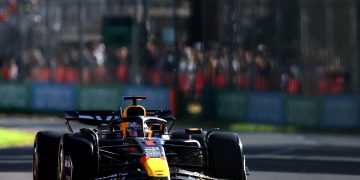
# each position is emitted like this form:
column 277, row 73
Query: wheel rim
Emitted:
column 35, row 161
column 61, row 164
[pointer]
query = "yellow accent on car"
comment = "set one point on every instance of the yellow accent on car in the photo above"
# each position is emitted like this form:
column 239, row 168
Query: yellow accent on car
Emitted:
column 193, row 129
column 123, row 126
column 150, row 132
column 157, row 167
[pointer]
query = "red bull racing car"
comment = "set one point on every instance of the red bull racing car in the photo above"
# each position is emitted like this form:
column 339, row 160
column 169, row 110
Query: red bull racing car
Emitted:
column 135, row 143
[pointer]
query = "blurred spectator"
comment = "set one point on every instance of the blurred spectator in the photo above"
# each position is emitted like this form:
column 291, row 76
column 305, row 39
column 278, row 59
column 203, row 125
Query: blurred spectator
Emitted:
column 66, row 70
column 187, row 68
column 213, row 66
column 36, row 66
column 263, row 70
column 13, row 69
column 322, row 80
column 9, row 68
column 284, row 79
column 201, row 70
column 151, row 65
column 122, row 64
column 224, row 69
column 93, row 70
column 243, row 74
column 294, row 80
column 336, row 77
column 196, row 69
column 169, row 67
column 5, row 71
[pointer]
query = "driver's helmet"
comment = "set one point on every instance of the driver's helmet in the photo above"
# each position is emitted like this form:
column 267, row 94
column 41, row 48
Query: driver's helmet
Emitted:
column 134, row 130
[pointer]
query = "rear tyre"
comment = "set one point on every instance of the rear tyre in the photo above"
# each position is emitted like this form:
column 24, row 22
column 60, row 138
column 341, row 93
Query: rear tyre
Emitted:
column 76, row 160
column 45, row 152
column 225, row 156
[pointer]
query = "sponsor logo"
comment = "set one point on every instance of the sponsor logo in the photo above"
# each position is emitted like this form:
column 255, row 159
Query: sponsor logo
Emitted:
column 150, row 143
column 98, row 118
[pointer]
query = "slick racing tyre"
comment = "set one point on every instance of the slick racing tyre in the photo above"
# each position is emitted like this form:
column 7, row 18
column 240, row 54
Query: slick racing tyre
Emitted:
column 76, row 159
column 45, row 152
column 225, row 156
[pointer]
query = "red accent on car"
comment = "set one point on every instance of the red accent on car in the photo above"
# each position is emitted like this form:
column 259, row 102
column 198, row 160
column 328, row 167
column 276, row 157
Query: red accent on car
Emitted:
column 150, row 143
column 144, row 159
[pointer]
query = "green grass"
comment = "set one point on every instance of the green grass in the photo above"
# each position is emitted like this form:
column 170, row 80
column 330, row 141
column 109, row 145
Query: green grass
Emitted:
column 251, row 127
column 11, row 137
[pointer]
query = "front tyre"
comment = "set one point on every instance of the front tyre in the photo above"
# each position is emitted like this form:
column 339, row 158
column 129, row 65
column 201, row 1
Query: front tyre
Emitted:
column 45, row 152
column 76, row 158
column 225, row 156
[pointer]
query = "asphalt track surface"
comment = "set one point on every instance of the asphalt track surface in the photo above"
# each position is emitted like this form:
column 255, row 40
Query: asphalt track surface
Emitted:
column 270, row 156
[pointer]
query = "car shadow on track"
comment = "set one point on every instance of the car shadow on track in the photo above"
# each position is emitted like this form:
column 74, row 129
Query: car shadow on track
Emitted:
column 17, row 159
column 304, row 159
column 298, row 159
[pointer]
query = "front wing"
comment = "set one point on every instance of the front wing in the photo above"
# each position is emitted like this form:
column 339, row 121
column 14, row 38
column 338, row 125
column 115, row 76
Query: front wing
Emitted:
column 175, row 173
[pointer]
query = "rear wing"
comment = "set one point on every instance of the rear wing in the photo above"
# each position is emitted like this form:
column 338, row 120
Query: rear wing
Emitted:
column 105, row 117
column 92, row 117
column 164, row 114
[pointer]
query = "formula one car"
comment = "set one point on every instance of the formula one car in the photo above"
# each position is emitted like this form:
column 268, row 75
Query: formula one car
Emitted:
column 135, row 143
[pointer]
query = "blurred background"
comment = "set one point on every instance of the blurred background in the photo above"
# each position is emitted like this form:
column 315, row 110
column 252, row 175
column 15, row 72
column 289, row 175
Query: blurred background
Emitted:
column 265, row 66
column 262, row 61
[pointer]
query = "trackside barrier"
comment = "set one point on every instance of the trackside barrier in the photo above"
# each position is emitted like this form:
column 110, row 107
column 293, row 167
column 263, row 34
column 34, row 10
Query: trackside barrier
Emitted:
column 52, row 97
column 232, row 105
column 91, row 97
column 266, row 108
column 14, row 96
column 277, row 108
column 340, row 112
column 302, row 110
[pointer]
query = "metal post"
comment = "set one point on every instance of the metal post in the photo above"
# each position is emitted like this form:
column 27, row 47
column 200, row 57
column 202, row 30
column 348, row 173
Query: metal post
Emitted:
column 176, row 43
column 278, row 28
column 48, row 37
column 80, row 19
column 135, row 41
column 329, row 28
column 354, row 46
column 253, row 74
column 1, row 38
column 254, row 6
column 304, row 39
column 231, row 19
column 231, row 39
column 21, row 38
column 304, row 33
column 204, row 23
column 47, row 31
column 145, row 15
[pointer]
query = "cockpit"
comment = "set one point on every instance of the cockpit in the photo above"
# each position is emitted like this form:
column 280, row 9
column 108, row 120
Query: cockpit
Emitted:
column 136, row 122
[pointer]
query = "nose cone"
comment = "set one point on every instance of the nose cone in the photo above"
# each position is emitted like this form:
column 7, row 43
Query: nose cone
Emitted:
column 156, row 167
